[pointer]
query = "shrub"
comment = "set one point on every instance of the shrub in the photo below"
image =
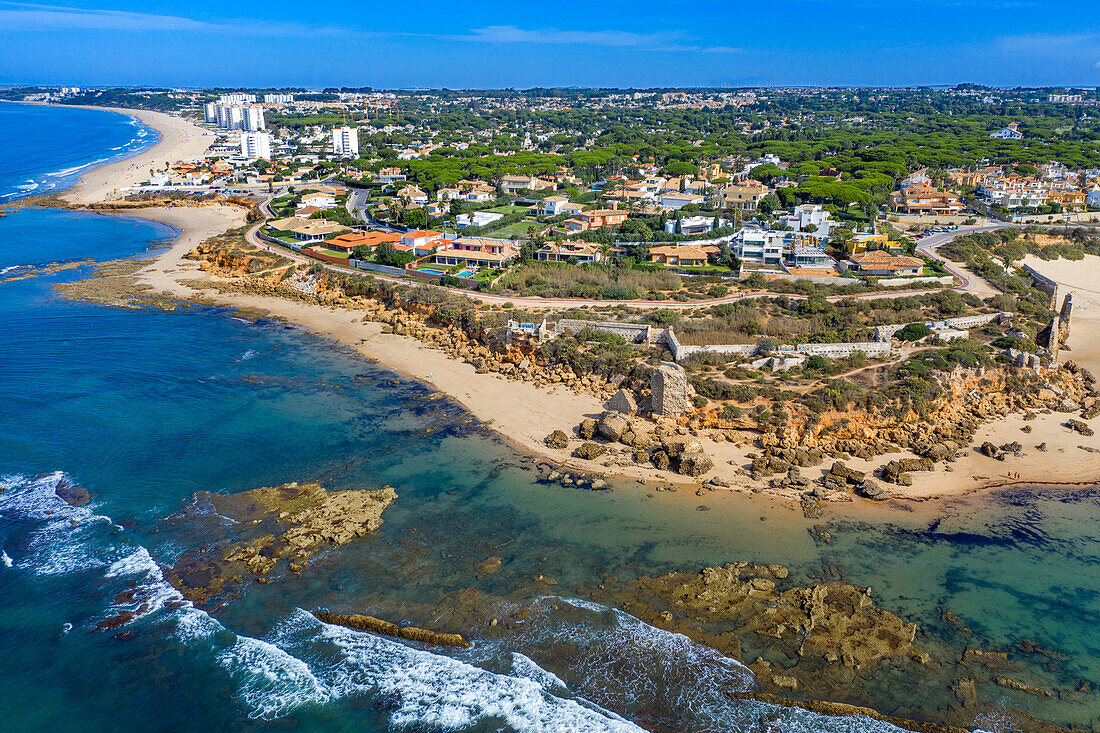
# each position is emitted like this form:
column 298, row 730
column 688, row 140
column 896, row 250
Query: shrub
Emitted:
column 913, row 332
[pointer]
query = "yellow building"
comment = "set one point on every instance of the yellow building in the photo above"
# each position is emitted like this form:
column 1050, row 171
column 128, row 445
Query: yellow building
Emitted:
column 863, row 242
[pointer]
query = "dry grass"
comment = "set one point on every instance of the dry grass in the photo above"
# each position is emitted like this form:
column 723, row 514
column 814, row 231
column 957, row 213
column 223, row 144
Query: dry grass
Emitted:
column 563, row 280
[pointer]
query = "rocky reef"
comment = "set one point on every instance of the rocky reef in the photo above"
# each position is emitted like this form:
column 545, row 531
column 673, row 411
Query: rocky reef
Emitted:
column 378, row 626
column 272, row 526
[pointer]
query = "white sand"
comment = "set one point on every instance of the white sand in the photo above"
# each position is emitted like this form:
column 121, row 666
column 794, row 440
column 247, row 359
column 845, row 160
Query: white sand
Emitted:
column 179, row 140
column 525, row 414
column 1082, row 279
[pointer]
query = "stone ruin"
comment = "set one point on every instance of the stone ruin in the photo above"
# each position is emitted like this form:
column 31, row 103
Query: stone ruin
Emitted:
column 670, row 393
column 1055, row 335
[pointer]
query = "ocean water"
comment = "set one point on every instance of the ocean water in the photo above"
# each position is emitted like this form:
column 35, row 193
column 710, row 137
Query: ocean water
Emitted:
column 48, row 148
column 145, row 408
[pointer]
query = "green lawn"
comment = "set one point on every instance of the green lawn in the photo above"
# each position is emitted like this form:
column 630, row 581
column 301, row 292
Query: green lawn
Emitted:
column 520, row 229
column 331, row 253
column 508, row 209
column 282, row 236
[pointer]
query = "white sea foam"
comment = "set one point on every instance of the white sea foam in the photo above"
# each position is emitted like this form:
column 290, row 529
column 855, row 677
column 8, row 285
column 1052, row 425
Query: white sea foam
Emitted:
column 305, row 662
column 421, row 689
column 524, row 666
column 250, row 354
column 59, row 546
column 271, row 682
column 5, row 558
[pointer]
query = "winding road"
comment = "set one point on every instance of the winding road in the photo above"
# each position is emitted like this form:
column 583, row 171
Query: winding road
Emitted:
column 968, row 282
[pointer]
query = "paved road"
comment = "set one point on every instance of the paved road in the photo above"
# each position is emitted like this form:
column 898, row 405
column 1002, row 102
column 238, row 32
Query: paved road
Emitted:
column 927, row 246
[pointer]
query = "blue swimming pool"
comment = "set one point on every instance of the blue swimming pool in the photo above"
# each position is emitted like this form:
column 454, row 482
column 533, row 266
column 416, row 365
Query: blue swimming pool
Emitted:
column 461, row 273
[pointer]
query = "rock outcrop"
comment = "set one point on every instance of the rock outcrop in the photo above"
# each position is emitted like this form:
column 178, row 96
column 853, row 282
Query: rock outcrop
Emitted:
column 819, row 639
column 274, row 524
column 378, row 626
column 623, row 402
column 695, row 463
column 557, row 440
column 590, row 451
column 613, row 426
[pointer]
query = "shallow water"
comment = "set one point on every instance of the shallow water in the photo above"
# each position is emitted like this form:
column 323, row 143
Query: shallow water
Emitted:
column 144, row 408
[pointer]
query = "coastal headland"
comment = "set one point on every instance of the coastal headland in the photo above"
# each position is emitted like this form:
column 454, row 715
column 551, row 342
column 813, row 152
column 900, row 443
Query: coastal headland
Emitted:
column 994, row 438
column 488, row 384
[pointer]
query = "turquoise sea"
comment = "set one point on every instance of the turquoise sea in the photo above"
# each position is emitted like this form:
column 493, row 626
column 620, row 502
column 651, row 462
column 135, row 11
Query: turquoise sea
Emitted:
column 145, row 408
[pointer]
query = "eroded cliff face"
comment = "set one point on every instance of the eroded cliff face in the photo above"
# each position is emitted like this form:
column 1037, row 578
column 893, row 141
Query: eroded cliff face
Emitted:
column 273, row 528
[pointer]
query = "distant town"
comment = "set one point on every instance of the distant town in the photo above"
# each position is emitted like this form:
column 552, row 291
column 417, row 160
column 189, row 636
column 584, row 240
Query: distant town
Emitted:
column 469, row 184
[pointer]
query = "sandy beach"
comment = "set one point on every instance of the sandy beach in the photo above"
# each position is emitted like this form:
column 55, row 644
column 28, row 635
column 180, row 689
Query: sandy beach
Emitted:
column 525, row 415
column 1082, row 279
column 179, row 140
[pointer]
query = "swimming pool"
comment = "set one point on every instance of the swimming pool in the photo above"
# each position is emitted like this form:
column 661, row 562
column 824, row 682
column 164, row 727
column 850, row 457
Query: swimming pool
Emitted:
column 461, row 273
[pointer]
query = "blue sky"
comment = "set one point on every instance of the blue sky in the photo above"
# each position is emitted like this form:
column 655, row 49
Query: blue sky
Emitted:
column 447, row 43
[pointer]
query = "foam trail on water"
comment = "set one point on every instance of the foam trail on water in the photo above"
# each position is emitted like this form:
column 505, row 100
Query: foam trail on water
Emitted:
column 423, row 690
column 67, row 540
column 619, row 662
column 5, row 558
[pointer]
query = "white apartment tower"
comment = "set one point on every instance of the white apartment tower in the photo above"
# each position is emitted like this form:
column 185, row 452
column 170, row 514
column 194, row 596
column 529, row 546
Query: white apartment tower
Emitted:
column 278, row 98
column 256, row 145
column 345, row 142
column 252, row 118
column 210, row 112
column 231, row 118
column 231, row 99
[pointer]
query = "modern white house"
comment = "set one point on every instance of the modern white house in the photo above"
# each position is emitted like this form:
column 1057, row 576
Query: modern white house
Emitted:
column 320, row 200
column 345, row 142
column 810, row 215
column 694, row 224
column 760, row 246
column 477, row 219
column 255, row 145
column 1007, row 133
column 1093, row 197
column 677, row 200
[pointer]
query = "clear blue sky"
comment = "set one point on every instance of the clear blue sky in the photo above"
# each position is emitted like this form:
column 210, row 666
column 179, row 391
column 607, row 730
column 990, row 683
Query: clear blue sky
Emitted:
column 459, row 43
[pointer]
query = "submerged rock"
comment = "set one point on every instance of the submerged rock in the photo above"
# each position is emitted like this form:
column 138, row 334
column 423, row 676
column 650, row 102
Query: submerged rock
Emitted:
column 826, row 636
column 271, row 525
column 378, row 626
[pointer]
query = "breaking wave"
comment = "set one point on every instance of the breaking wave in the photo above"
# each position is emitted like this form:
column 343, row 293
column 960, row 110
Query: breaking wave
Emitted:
column 568, row 666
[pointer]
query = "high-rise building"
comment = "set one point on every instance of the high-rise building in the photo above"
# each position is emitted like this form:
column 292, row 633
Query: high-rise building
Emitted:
column 256, row 145
column 252, row 118
column 210, row 112
column 231, row 99
column 230, row 117
column 278, row 98
column 345, row 142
